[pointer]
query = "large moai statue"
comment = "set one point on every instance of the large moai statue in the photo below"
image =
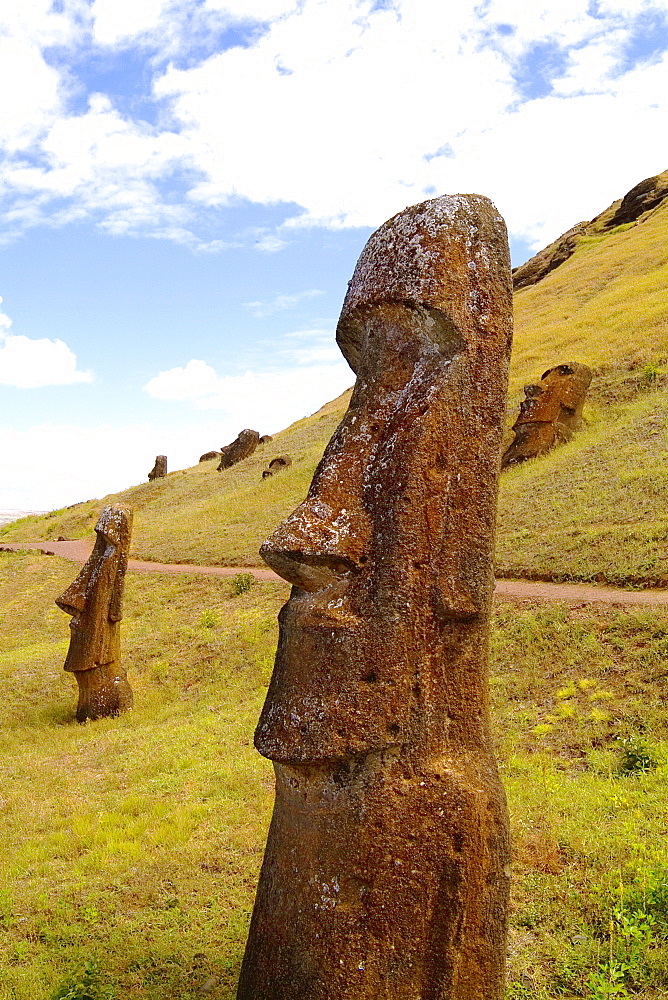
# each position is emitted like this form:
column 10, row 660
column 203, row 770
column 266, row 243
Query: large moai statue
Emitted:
column 159, row 470
column 95, row 601
column 385, row 874
column 550, row 413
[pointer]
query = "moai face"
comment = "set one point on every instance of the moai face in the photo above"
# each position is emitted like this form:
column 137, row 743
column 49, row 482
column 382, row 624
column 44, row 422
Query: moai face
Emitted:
column 394, row 540
column 94, row 599
column 550, row 413
column 385, row 873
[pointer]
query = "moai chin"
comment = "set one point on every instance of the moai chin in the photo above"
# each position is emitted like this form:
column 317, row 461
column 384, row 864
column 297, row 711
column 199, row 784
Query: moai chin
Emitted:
column 385, row 874
column 159, row 470
column 550, row 413
column 95, row 602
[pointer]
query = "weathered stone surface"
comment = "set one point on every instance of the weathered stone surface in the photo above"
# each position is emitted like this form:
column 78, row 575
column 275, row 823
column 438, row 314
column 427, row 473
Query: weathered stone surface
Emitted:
column 159, row 469
column 550, row 414
column 95, row 601
column 277, row 465
column 385, row 874
column 243, row 445
column 266, row 438
column 208, row 455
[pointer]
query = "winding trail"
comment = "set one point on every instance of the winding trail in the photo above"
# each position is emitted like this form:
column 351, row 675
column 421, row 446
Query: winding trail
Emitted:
column 79, row 549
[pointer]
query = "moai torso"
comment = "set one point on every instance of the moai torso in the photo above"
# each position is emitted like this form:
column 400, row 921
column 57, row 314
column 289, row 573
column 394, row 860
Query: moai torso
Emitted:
column 95, row 602
column 385, row 874
column 550, row 413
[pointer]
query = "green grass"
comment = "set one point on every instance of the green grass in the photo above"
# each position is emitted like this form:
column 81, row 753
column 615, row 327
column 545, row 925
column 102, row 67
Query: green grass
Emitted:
column 134, row 844
column 596, row 509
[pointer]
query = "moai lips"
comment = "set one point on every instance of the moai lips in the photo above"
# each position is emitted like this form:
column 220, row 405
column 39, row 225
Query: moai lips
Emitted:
column 385, row 873
column 550, row 413
column 94, row 600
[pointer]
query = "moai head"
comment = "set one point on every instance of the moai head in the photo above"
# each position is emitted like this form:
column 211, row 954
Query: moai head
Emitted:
column 394, row 540
column 550, row 413
column 159, row 470
column 94, row 599
column 243, row 445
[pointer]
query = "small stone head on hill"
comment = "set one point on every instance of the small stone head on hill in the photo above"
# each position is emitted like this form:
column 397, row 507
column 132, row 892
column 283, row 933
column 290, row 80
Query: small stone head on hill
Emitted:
column 159, row 470
column 243, row 445
column 550, row 413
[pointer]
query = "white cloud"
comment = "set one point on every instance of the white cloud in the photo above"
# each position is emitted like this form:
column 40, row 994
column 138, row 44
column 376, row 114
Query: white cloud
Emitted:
column 335, row 107
column 117, row 20
column 31, row 364
column 60, row 477
column 304, row 378
column 194, row 381
column 281, row 302
column 311, row 374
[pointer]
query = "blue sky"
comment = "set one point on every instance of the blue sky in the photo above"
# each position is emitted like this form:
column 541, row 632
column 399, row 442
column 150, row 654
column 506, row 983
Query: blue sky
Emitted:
column 185, row 186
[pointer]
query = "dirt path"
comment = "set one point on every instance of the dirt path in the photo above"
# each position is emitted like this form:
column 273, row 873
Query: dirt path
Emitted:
column 79, row 550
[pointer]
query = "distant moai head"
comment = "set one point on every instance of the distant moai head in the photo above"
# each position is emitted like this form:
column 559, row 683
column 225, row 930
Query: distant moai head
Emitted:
column 95, row 602
column 159, row 470
column 550, row 413
column 243, row 445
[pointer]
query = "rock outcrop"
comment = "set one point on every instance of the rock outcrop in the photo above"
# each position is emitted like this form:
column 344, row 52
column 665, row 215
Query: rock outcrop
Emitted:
column 550, row 413
column 95, row 602
column 386, row 867
column 159, row 469
column 640, row 200
column 243, row 445
column 209, row 455
column 276, row 465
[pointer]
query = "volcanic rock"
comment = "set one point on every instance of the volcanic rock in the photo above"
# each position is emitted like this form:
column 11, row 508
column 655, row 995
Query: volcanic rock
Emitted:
column 243, row 445
column 386, row 868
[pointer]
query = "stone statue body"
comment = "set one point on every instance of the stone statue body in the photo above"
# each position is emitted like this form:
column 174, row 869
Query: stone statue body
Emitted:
column 385, row 874
column 159, row 470
column 550, row 413
column 94, row 600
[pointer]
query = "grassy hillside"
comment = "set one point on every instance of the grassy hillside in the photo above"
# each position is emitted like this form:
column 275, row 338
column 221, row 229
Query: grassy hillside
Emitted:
column 131, row 846
column 595, row 509
column 202, row 516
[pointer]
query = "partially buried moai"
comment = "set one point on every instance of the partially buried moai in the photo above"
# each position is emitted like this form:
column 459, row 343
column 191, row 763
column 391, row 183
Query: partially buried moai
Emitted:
column 95, row 601
column 385, row 875
column 159, row 470
column 550, row 412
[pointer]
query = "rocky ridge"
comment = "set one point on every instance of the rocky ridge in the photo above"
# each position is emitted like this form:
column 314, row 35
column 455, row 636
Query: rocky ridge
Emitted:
column 634, row 207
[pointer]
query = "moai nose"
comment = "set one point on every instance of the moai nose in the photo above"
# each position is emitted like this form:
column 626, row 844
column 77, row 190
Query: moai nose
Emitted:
column 317, row 545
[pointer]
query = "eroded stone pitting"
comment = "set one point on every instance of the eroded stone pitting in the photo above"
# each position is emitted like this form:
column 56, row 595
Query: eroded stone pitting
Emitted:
column 386, row 869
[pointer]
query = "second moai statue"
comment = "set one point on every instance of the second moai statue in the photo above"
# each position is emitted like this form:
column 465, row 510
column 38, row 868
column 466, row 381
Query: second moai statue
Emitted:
column 243, row 445
column 159, row 470
column 385, row 874
column 550, row 413
column 95, row 602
